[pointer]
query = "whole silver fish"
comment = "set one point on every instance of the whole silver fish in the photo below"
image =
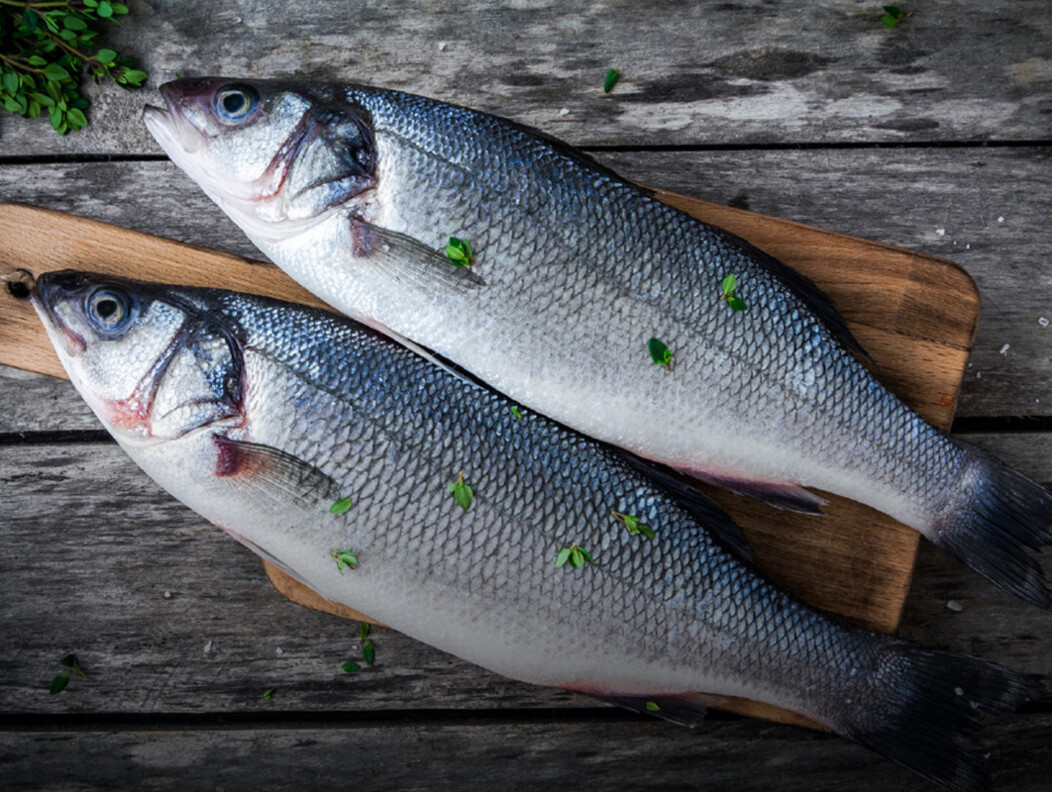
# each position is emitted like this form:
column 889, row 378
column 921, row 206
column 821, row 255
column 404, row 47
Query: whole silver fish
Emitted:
column 355, row 191
column 259, row 415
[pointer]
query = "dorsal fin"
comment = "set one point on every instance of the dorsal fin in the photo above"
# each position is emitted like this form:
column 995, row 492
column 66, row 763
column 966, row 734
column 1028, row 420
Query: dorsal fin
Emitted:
column 814, row 298
column 703, row 508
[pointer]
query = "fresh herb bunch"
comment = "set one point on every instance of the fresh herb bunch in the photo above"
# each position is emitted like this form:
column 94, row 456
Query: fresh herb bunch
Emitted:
column 45, row 47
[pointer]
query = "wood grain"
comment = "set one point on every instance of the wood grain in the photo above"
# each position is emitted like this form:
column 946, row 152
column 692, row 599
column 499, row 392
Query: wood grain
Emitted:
column 881, row 288
column 747, row 72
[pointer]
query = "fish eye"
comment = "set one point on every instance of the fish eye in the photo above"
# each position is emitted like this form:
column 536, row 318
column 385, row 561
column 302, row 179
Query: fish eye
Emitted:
column 109, row 309
column 234, row 103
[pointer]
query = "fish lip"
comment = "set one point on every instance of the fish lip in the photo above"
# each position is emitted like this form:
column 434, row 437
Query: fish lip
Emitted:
column 43, row 296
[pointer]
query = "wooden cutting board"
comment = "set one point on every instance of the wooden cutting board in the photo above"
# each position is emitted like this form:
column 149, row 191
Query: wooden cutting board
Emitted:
column 916, row 315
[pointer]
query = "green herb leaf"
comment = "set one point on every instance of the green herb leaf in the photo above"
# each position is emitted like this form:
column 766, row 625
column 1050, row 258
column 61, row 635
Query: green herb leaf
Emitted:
column 70, row 661
column 659, row 353
column 652, row 706
column 58, row 684
column 892, row 16
column 368, row 653
column 459, row 252
column 736, row 303
column 575, row 555
column 49, row 49
column 350, row 668
column 342, row 506
column 730, row 283
column 364, row 629
column 55, row 72
column 611, row 80
column 462, row 493
column 633, row 524
column 515, row 411
column 268, row 694
column 344, row 558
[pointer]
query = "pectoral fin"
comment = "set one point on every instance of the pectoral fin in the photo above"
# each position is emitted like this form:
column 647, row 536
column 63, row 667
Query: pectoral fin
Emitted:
column 409, row 261
column 273, row 474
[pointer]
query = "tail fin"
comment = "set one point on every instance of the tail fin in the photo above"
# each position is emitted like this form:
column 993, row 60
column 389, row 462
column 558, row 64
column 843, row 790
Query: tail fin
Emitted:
column 925, row 709
column 995, row 521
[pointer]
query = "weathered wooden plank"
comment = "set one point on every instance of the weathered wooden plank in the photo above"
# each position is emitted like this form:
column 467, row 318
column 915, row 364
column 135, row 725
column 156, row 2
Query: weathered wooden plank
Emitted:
column 743, row 72
column 902, row 196
column 622, row 755
column 99, row 566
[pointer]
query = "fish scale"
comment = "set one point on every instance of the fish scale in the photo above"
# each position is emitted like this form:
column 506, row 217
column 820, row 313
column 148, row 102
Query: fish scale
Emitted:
column 319, row 408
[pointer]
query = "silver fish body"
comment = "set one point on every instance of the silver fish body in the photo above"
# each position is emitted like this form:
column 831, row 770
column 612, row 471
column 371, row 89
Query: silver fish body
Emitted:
column 259, row 415
column 355, row 191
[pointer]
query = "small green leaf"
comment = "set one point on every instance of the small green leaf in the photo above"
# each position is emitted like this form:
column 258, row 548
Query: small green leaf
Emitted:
column 58, row 684
column 459, row 252
column 730, row 283
column 462, row 493
column 119, row 8
column 892, row 16
column 70, row 661
column 563, row 557
column 652, row 706
column 105, row 55
column 74, row 23
column 659, row 353
column 586, row 554
column 91, row 3
column 350, row 668
column 268, row 694
column 515, row 411
column 363, row 630
column 344, row 558
column 342, row 506
column 368, row 653
column 44, row 101
column 135, row 76
column 55, row 72
column 31, row 20
column 646, row 530
column 105, row 9
column 10, row 82
column 611, row 80
column 736, row 303
column 576, row 557
column 77, row 117
column 35, row 60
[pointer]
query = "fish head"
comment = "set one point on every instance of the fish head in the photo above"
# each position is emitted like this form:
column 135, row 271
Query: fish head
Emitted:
column 275, row 156
column 153, row 362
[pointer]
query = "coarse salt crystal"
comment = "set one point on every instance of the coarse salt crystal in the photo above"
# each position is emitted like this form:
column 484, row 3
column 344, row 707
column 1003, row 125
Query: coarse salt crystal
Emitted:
column 940, row 231
column 1000, row 219
column 959, row 691
column 565, row 111
column 208, row 646
column 441, row 46
column 1042, row 321
column 1004, row 349
column 955, row 606
column 968, row 246
column 167, row 595
column 279, row 651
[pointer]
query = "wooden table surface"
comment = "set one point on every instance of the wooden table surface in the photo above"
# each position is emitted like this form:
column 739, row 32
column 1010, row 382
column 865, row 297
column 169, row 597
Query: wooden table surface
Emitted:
column 935, row 136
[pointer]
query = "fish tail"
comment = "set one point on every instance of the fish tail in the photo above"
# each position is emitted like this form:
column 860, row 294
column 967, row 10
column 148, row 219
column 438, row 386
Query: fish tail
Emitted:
column 924, row 708
column 995, row 520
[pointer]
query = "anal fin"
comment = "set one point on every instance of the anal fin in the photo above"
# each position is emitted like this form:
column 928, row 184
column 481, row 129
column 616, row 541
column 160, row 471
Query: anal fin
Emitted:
column 683, row 710
column 780, row 494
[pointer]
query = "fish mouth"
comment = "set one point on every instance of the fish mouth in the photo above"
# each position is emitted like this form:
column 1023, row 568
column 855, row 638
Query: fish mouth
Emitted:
column 46, row 292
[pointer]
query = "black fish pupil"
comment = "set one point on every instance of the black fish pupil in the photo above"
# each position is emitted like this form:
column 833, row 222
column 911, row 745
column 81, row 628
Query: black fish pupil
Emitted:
column 233, row 102
column 106, row 308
